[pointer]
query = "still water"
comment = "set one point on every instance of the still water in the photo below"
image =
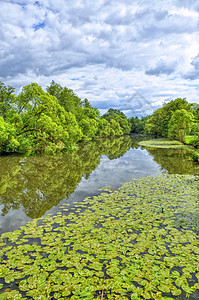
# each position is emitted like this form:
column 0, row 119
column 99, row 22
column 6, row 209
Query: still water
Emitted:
column 34, row 186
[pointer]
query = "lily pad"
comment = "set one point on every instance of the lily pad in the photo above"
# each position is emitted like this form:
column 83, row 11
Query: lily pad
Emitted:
column 138, row 242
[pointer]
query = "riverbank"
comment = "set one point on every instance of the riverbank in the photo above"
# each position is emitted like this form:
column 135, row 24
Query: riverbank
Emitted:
column 194, row 141
column 164, row 143
column 137, row 242
column 191, row 142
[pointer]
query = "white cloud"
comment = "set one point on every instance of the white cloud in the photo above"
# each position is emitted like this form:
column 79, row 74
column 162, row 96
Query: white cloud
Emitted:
column 113, row 48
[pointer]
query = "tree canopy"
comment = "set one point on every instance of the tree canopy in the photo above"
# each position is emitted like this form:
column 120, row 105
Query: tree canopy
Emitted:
column 158, row 123
column 56, row 119
column 51, row 120
column 180, row 124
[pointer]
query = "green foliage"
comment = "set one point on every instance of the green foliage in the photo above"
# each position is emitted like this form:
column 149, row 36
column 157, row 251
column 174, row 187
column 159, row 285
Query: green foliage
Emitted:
column 103, row 128
column 8, row 139
column 116, row 129
column 40, row 121
column 192, row 140
column 180, row 124
column 91, row 112
column 158, row 123
column 195, row 156
column 66, row 97
column 138, row 242
column 194, row 127
column 138, row 125
column 195, row 108
column 6, row 100
column 43, row 120
column 118, row 116
column 88, row 127
column 73, row 128
column 113, row 112
column 47, row 179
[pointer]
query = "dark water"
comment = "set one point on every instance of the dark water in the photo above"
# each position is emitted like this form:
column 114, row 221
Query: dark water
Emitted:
column 31, row 187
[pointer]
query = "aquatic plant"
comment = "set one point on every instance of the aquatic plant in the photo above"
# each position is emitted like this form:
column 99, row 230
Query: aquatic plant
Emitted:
column 164, row 143
column 138, row 242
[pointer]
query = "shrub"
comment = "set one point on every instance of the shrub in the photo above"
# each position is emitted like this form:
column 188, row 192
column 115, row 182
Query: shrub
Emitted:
column 195, row 156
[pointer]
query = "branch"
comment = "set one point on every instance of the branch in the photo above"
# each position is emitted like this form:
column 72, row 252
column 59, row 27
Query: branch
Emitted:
column 39, row 112
column 33, row 129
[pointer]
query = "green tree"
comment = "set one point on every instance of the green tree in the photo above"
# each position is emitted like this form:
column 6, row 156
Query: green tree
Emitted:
column 180, row 124
column 90, row 112
column 8, row 137
column 195, row 124
column 158, row 123
column 66, row 97
column 88, row 127
column 115, row 127
column 195, row 108
column 138, row 125
column 103, row 128
column 118, row 116
column 154, row 124
column 73, row 128
column 6, row 99
column 86, row 103
column 45, row 124
column 48, row 121
column 72, row 103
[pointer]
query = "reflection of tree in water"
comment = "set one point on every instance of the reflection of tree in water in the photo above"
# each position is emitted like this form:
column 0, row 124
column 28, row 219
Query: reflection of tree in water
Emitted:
column 37, row 183
column 114, row 147
column 175, row 161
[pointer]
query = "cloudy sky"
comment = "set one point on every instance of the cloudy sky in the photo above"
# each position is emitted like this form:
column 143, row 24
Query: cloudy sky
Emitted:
column 131, row 55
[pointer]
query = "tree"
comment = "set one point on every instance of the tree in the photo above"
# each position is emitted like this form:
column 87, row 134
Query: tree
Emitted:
column 44, row 124
column 73, row 128
column 90, row 112
column 66, row 97
column 118, row 116
column 8, row 137
column 158, row 123
column 88, row 127
column 48, row 121
column 115, row 127
column 113, row 112
column 180, row 124
column 138, row 125
column 103, row 128
column 86, row 103
column 6, row 99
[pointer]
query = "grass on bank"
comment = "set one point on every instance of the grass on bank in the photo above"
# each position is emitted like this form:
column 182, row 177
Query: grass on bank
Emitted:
column 163, row 143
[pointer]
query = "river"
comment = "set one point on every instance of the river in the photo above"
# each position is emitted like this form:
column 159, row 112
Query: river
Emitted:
column 34, row 186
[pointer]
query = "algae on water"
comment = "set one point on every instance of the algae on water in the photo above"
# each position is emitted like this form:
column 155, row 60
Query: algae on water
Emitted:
column 164, row 143
column 138, row 242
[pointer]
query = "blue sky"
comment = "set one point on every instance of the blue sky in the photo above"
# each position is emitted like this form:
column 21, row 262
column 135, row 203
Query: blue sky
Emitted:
column 125, row 54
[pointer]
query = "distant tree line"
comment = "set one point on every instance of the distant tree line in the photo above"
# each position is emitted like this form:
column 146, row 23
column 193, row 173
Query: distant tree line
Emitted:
column 56, row 119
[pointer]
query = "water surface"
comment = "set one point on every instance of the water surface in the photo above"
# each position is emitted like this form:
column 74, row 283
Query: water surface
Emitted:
column 31, row 187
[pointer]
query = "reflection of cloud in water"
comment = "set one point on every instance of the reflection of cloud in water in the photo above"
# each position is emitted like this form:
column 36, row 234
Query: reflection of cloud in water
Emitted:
column 135, row 163
column 13, row 220
column 37, row 187
column 110, row 172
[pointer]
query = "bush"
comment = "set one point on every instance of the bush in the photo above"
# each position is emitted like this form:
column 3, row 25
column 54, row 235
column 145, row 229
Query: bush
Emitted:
column 192, row 140
column 195, row 156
